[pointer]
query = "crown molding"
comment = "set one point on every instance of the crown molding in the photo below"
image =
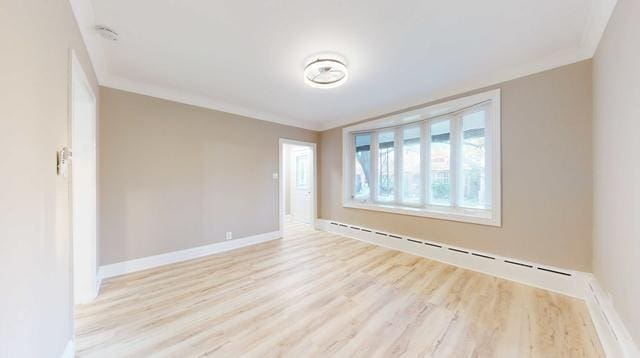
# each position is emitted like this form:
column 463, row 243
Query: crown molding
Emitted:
column 86, row 20
column 554, row 61
column 601, row 11
column 599, row 15
column 200, row 101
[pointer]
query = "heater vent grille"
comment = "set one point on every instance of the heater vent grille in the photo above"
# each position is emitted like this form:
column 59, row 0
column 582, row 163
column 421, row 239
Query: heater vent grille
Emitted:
column 451, row 249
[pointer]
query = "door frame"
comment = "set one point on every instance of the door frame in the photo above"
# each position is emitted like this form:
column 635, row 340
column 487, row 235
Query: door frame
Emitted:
column 282, row 178
column 78, row 77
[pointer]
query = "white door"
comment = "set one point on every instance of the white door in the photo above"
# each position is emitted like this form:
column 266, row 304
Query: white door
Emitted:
column 83, row 186
column 302, row 184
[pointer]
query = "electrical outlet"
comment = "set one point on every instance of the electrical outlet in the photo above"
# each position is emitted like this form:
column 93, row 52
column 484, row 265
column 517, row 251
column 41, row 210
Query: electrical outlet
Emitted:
column 229, row 235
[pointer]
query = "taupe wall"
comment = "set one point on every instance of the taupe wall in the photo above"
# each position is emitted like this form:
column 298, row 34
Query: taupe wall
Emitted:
column 546, row 176
column 616, row 92
column 175, row 176
column 35, row 248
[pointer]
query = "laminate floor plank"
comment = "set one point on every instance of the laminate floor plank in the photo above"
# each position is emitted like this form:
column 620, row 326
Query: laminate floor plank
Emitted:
column 315, row 294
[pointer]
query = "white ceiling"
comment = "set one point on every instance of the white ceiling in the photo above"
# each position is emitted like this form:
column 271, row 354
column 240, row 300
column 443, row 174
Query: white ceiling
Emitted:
column 247, row 57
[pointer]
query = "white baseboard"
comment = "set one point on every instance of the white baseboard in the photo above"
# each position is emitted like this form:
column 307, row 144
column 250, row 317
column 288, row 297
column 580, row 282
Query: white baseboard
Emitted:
column 69, row 350
column 529, row 273
column 144, row 263
column 613, row 335
column 99, row 278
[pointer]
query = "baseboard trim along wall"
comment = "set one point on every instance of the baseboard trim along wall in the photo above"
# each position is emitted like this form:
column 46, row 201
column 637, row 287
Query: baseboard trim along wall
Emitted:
column 542, row 276
column 615, row 338
column 612, row 333
column 69, row 350
column 148, row 262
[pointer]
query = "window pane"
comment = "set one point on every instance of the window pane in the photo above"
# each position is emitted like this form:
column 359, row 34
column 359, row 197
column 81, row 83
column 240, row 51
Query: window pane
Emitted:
column 411, row 165
column 386, row 165
column 362, row 166
column 440, row 163
column 302, row 167
column 473, row 191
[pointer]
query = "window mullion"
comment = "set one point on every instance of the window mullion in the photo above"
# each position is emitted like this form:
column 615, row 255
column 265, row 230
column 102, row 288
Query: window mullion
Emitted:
column 373, row 192
column 488, row 165
column 352, row 167
column 444, row 176
column 454, row 160
column 425, row 150
column 397, row 170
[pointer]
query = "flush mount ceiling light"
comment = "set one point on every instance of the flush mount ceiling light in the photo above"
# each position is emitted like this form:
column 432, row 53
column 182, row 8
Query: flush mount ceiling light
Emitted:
column 325, row 72
column 107, row 33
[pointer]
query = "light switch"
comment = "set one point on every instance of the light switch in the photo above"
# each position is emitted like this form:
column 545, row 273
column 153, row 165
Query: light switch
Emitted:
column 275, row 176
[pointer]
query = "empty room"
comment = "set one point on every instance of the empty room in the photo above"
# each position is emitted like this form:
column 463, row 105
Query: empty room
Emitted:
column 422, row 178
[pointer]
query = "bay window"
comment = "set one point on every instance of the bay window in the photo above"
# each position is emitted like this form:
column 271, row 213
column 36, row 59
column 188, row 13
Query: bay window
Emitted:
column 441, row 161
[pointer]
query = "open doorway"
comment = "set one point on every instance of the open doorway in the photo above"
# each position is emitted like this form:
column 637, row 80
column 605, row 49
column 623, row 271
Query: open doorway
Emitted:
column 298, row 183
column 83, row 185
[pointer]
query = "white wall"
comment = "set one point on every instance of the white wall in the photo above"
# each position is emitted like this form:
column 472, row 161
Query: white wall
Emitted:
column 616, row 91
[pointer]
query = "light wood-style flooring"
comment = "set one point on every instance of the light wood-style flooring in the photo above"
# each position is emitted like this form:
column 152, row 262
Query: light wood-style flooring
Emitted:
column 314, row 294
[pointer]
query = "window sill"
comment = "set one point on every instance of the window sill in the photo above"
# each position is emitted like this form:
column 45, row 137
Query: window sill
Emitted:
column 473, row 216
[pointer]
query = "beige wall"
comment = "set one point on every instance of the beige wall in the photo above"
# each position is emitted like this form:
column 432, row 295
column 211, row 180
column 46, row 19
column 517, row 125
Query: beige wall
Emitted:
column 616, row 91
column 176, row 176
column 35, row 248
column 546, row 176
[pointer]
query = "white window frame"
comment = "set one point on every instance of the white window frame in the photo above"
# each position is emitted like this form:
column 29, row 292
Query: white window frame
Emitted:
column 423, row 116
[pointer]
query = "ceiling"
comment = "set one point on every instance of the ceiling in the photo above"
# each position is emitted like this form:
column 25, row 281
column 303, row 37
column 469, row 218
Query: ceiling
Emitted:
column 247, row 57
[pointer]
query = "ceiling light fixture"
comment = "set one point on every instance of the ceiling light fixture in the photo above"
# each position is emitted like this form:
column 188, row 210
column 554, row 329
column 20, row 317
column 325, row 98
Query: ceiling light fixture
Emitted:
column 107, row 33
column 325, row 72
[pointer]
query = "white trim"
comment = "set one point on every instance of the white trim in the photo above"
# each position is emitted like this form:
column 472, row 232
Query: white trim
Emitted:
column 465, row 258
column 281, row 181
column 398, row 159
column 84, row 14
column 77, row 71
column 428, row 111
column 616, row 340
column 611, row 331
column 562, row 58
column 599, row 16
column 455, row 157
column 78, row 77
column 601, row 11
column 99, row 279
column 430, row 114
column 425, row 157
column 69, row 350
column 145, row 263
column 471, row 216
column 180, row 96
column 374, row 166
column 85, row 18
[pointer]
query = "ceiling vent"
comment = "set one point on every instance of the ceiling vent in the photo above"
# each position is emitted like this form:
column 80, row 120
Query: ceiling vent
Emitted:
column 107, row 33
